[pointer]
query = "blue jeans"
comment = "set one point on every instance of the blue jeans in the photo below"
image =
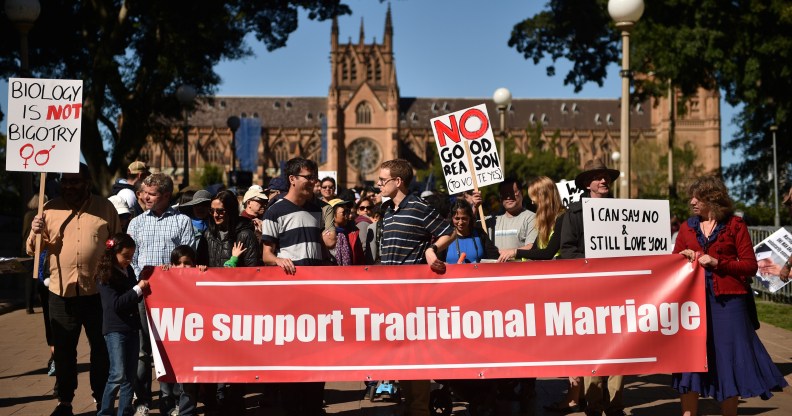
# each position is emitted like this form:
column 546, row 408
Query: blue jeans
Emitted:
column 122, row 347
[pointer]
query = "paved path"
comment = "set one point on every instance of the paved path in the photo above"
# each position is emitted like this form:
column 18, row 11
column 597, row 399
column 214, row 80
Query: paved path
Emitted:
column 25, row 388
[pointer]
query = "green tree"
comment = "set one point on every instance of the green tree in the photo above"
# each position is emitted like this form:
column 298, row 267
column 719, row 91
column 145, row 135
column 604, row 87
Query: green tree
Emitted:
column 742, row 47
column 133, row 55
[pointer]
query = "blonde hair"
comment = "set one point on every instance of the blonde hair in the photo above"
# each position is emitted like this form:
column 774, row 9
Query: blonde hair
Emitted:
column 34, row 202
column 545, row 196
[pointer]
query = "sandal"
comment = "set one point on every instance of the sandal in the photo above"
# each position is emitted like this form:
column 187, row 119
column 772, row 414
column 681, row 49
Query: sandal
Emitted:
column 563, row 408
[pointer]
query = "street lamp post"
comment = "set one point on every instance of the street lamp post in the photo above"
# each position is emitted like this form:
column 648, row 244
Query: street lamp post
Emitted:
column 233, row 123
column 625, row 13
column 23, row 14
column 502, row 98
column 777, row 218
column 186, row 95
column 615, row 157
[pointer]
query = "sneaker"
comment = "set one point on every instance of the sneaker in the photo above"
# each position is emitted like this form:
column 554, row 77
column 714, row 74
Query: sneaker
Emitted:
column 51, row 368
column 63, row 410
column 142, row 410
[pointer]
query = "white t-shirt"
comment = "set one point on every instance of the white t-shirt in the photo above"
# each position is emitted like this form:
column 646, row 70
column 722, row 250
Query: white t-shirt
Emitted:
column 515, row 231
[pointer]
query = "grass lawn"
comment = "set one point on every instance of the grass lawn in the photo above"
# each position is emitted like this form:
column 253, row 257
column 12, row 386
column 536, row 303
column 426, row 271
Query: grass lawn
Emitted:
column 777, row 314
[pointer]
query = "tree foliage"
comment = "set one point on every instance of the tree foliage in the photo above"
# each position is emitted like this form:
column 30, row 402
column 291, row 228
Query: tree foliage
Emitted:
column 133, row 55
column 742, row 47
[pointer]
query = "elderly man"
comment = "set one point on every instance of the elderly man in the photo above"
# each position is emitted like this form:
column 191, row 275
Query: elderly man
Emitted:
column 596, row 179
column 157, row 231
column 73, row 230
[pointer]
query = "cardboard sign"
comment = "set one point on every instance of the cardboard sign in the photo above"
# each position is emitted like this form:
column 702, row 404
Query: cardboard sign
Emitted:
column 44, row 125
column 345, row 323
column 467, row 148
column 569, row 192
column 771, row 254
column 626, row 227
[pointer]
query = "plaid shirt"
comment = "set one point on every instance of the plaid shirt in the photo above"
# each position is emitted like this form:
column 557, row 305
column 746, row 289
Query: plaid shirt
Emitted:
column 157, row 236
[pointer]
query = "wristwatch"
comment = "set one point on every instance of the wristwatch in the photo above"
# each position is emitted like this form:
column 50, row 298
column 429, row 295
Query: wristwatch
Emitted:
column 434, row 248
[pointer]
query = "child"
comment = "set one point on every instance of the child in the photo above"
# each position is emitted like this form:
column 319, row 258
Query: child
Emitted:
column 120, row 294
column 182, row 256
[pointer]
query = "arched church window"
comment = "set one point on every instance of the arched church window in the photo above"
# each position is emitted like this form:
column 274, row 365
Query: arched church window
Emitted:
column 370, row 69
column 364, row 113
column 281, row 152
column 377, row 70
column 344, row 70
column 352, row 70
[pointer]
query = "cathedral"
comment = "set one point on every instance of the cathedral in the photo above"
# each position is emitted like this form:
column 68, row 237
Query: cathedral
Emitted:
column 364, row 121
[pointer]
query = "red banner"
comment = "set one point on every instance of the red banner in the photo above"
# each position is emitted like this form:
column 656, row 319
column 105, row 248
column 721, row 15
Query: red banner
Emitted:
column 635, row 315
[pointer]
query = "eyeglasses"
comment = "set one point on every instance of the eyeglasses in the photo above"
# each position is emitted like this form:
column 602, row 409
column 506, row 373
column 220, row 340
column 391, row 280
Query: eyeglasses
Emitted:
column 364, row 208
column 218, row 211
column 510, row 195
column 326, row 187
column 383, row 181
column 309, row 178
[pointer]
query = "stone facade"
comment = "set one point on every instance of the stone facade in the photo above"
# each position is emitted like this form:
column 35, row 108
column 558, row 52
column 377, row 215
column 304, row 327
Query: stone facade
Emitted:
column 364, row 121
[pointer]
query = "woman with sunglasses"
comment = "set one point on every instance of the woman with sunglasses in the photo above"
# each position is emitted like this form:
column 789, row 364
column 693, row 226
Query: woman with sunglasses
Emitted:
column 471, row 244
column 367, row 228
column 227, row 227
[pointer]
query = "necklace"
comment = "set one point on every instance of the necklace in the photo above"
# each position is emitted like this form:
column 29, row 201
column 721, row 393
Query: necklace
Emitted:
column 707, row 234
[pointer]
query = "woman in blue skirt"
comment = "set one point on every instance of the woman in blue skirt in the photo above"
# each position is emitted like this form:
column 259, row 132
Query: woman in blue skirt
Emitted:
column 737, row 362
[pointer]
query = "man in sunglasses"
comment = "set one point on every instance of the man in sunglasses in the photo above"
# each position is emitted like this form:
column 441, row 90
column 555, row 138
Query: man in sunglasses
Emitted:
column 157, row 231
column 328, row 189
column 292, row 236
column 516, row 227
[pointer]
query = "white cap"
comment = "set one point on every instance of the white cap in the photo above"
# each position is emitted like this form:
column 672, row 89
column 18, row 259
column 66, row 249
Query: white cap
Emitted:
column 119, row 204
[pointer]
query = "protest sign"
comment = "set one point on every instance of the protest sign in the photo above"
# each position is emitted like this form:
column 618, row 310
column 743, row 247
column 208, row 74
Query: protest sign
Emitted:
column 626, row 227
column 569, row 192
column 476, row 321
column 771, row 254
column 467, row 149
column 44, row 125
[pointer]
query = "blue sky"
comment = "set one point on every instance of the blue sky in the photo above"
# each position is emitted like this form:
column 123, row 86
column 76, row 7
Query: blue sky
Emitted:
column 443, row 48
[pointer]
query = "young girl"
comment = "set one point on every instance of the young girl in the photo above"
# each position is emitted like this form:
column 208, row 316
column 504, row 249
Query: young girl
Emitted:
column 182, row 256
column 120, row 294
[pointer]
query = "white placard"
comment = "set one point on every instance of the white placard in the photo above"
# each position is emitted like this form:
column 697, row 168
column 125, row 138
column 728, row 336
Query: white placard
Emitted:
column 771, row 254
column 44, row 125
column 569, row 192
column 626, row 227
column 331, row 173
column 462, row 133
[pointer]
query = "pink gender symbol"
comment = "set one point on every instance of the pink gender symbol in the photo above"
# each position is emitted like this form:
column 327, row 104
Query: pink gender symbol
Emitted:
column 43, row 152
column 22, row 155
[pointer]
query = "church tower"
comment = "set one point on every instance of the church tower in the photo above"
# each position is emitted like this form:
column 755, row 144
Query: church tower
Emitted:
column 362, row 107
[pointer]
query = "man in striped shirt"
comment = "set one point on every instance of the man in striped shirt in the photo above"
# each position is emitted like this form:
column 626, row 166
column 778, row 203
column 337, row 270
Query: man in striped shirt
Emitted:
column 409, row 227
column 291, row 233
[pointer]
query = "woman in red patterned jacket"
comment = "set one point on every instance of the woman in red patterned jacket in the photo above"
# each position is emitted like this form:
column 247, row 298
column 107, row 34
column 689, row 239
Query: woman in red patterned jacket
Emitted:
column 738, row 364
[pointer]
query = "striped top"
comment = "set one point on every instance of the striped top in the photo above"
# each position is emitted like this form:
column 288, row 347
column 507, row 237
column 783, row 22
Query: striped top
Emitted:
column 409, row 229
column 295, row 231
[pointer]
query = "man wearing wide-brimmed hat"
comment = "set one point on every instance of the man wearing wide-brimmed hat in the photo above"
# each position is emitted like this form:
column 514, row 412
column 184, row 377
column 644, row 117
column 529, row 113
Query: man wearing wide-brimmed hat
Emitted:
column 595, row 180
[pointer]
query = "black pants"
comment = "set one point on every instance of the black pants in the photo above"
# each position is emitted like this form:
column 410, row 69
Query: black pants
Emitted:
column 67, row 317
column 303, row 399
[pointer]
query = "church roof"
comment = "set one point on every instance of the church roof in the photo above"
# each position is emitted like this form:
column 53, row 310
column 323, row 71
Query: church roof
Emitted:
column 306, row 112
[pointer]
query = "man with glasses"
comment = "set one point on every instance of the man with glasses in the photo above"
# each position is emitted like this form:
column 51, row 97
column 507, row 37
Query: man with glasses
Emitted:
column 409, row 227
column 292, row 236
column 328, row 189
column 157, row 231
column 73, row 230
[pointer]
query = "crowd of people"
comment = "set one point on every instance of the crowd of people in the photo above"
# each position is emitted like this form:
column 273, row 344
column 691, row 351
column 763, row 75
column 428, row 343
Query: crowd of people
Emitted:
column 96, row 253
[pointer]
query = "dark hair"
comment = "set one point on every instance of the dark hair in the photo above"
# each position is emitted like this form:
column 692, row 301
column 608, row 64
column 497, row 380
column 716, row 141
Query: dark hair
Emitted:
column 461, row 205
column 440, row 203
column 182, row 251
column 295, row 165
column 507, row 184
column 231, row 206
column 116, row 243
column 327, row 178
